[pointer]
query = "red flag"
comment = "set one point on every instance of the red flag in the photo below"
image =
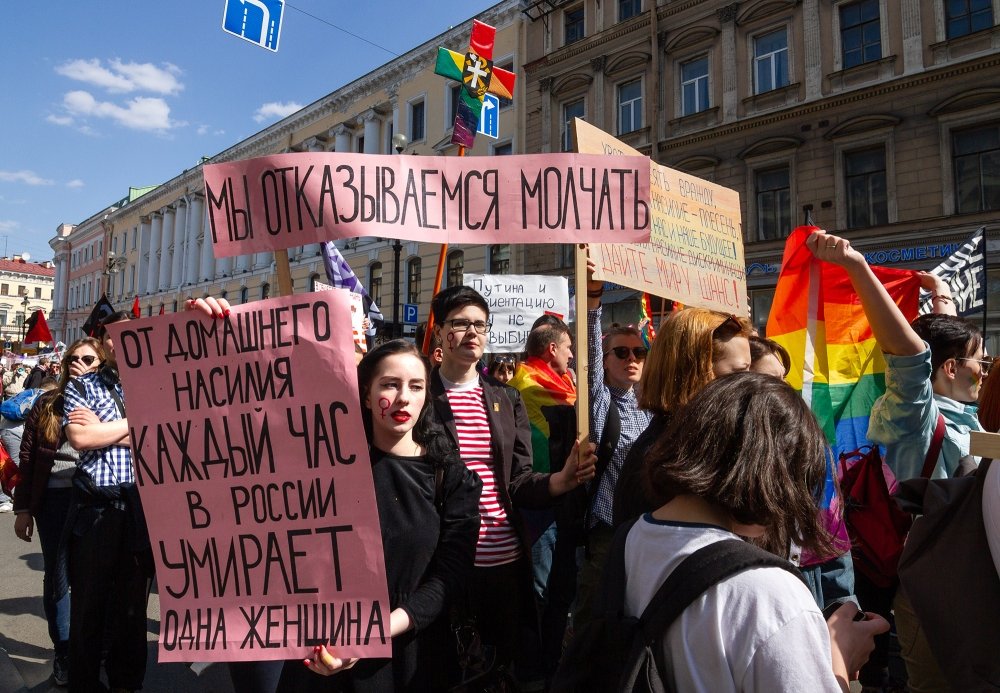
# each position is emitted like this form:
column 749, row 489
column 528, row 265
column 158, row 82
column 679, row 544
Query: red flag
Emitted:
column 135, row 308
column 161, row 309
column 38, row 329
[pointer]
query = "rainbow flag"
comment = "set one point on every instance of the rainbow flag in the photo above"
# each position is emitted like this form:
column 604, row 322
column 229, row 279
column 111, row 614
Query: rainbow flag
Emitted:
column 836, row 364
column 646, row 328
column 541, row 388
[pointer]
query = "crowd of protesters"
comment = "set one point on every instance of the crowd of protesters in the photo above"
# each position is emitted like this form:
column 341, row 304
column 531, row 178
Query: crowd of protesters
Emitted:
column 497, row 522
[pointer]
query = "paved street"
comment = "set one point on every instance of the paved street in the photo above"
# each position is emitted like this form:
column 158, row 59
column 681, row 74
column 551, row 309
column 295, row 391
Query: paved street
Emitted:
column 25, row 648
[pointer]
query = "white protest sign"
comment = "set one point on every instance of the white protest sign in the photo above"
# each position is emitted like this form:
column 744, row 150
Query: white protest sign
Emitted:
column 516, row 301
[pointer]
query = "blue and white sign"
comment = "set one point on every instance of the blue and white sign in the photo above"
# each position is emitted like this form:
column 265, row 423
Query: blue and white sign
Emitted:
column 410, row 313
column 257, row 21
column 489, row 119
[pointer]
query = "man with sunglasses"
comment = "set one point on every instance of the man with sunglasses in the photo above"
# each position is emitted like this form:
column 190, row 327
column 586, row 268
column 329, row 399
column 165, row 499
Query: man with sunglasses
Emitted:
column 489, row 426
column 616, row 421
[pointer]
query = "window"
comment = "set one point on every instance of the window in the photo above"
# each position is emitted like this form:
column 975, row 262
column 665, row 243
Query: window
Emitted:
column 361, row 144
column 135, row 238
column 5, row 289
column 760, row 308
column 38, row 292
column 456, row 267
column 864, row 182
column 565, row 255
column 22, row 290
column 149, row 310
column 313, row 278
column 628, row 9
column 3, row 317
column 976, row 157
column 503, row 149
column 770, row 61
column 416, row 121
column 966, row 16
column 456, row 97
column 571, row 110
column 573, row 23
column 174, row 309
column 774, row 203
column 629, row 106
column 860, row 33
column 375, row 281
column 500, row 259
column 413, row 267
column 265, row 291
column 694, row 86
column 244, row 295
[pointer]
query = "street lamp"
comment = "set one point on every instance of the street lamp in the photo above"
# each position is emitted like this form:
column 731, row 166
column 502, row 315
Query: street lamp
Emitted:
column 115, row 265
column 24, row 321
column 399, row 142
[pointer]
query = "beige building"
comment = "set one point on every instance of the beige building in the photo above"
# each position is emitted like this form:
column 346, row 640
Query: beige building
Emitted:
column 25, row 287
column 155, row 245
column 878, row 117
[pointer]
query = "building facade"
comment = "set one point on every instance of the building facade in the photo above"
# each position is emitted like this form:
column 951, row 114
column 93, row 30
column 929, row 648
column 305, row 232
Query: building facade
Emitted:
column 157, row 245
column 878, row 118
column 24, row 288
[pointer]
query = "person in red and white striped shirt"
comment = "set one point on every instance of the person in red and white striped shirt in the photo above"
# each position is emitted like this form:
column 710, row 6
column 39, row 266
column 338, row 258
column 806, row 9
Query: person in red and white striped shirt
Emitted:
column 489, row 424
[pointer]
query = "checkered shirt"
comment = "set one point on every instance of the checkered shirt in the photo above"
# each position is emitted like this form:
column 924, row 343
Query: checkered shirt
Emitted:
column 634, row 420
column 108, row 466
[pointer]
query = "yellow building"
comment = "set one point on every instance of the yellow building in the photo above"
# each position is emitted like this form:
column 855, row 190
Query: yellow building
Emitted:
column 25, row 287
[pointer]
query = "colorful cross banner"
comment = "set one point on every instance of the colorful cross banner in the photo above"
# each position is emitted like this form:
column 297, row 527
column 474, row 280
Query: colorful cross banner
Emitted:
column 475, row 71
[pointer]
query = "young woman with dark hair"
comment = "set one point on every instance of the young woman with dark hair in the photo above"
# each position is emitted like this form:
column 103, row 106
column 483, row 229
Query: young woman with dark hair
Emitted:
column 428, row 505
column 745, row 456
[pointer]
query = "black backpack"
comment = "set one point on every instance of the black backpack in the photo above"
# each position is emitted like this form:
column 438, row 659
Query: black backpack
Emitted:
column 614, row 652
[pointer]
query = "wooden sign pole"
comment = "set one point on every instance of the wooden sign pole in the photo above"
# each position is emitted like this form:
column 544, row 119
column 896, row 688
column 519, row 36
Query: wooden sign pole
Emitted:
column 583, row 364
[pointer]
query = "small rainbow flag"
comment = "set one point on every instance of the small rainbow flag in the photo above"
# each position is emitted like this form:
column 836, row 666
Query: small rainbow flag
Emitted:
column 541, row 388
column 646, row 322
column 836, row 364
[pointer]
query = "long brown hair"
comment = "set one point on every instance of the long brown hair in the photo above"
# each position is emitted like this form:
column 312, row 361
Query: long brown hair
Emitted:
column 50, row 413
column 681, row 358
column 749, row 445
column 989, row 399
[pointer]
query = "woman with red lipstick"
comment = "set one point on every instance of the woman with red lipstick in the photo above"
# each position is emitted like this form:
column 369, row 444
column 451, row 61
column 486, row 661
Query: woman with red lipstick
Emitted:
column 428, row 506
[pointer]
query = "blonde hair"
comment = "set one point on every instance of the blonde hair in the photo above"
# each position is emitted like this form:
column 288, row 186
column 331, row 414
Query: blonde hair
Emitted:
column 680, row 362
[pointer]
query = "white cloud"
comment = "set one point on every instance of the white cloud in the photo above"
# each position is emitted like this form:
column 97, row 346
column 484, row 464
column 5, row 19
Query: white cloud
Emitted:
column 59, row 120
column 75, row 183
column 141, row 113
column 121, row 77
column 23, row 176
column 7, row 225
column 275, row 109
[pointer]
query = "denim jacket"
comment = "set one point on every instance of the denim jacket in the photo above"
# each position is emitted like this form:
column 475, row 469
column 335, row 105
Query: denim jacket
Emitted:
column 904, row 419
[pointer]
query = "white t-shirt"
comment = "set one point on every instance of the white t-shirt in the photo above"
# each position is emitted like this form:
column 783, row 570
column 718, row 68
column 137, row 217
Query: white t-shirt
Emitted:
column 759, row 630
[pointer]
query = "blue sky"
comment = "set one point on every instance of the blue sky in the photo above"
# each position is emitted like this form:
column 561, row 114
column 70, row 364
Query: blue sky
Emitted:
column 102, row 95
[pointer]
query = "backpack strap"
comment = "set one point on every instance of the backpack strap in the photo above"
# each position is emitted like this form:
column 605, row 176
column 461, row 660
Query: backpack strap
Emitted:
column 610, row 435
column 934, row 451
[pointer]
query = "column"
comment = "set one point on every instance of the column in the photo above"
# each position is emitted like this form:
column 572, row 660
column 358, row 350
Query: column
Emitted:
column 191, row 248
column 913, row 45
column 730, row 95
column 544, row 85
column 180, row 238
column 206, row 270
column 155, row 231
column 143, row 270
column 813, row 60
column 597, row 89
column 166, row 246
column 373, row 131
column 342, row 138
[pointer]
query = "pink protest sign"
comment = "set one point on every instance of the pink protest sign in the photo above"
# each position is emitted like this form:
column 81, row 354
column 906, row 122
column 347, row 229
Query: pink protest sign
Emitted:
column 254, row 474
column 286, row 200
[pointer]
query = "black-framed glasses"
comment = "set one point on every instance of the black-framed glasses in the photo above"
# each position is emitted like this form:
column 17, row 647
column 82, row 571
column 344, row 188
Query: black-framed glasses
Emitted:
column 984, row 365
column 622, row 352
column 463, row 325
column 86, row 360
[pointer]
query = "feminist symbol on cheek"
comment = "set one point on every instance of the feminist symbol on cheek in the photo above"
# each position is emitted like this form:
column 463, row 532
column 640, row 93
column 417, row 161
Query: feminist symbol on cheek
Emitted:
column 451, row 341
column 384, row 405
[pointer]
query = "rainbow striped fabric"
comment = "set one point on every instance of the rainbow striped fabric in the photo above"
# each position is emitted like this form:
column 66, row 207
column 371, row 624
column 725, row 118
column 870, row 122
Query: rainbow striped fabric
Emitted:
column 836, row 364
column 540, row 388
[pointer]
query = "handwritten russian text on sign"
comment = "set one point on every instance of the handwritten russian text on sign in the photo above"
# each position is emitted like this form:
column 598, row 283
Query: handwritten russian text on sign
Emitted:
column 516, row 301
column 287, row 200
column 695, row 250
column 255, row 478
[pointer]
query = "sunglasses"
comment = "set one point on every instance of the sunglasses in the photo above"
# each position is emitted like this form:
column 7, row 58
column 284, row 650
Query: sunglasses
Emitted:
column 622, row 352
column 984, row 366
column 730, row 323
column 87, row 360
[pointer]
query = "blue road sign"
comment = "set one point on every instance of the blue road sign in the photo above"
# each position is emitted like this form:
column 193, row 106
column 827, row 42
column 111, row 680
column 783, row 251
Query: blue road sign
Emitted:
column 489, row 120
column 410, row 313
column 257, row 21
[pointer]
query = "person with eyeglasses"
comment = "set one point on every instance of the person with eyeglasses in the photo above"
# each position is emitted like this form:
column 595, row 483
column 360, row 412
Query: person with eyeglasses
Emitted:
column 616, row 421
column 47, row 464
column 488, row 423
column 502, row 367
column 935, row 366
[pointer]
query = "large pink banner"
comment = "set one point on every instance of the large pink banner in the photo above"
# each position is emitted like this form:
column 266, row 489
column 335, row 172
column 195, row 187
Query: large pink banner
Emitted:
column 255, row 477
column 288, row 200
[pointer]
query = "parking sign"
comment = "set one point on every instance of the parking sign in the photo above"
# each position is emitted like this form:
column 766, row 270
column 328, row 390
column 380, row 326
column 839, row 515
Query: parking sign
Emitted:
column 410, row 313
column 257, row 21
column 489, row 120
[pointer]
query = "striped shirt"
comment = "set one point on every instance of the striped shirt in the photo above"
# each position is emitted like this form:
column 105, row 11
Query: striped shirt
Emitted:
column 498, row 542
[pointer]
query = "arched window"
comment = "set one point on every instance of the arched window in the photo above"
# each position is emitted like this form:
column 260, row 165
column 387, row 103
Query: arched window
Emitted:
column 265, row 291
column 244, row 295
column 375, row 281
column 313, row 278
column 456, row 267
column 500, row 259
column 413, row 267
